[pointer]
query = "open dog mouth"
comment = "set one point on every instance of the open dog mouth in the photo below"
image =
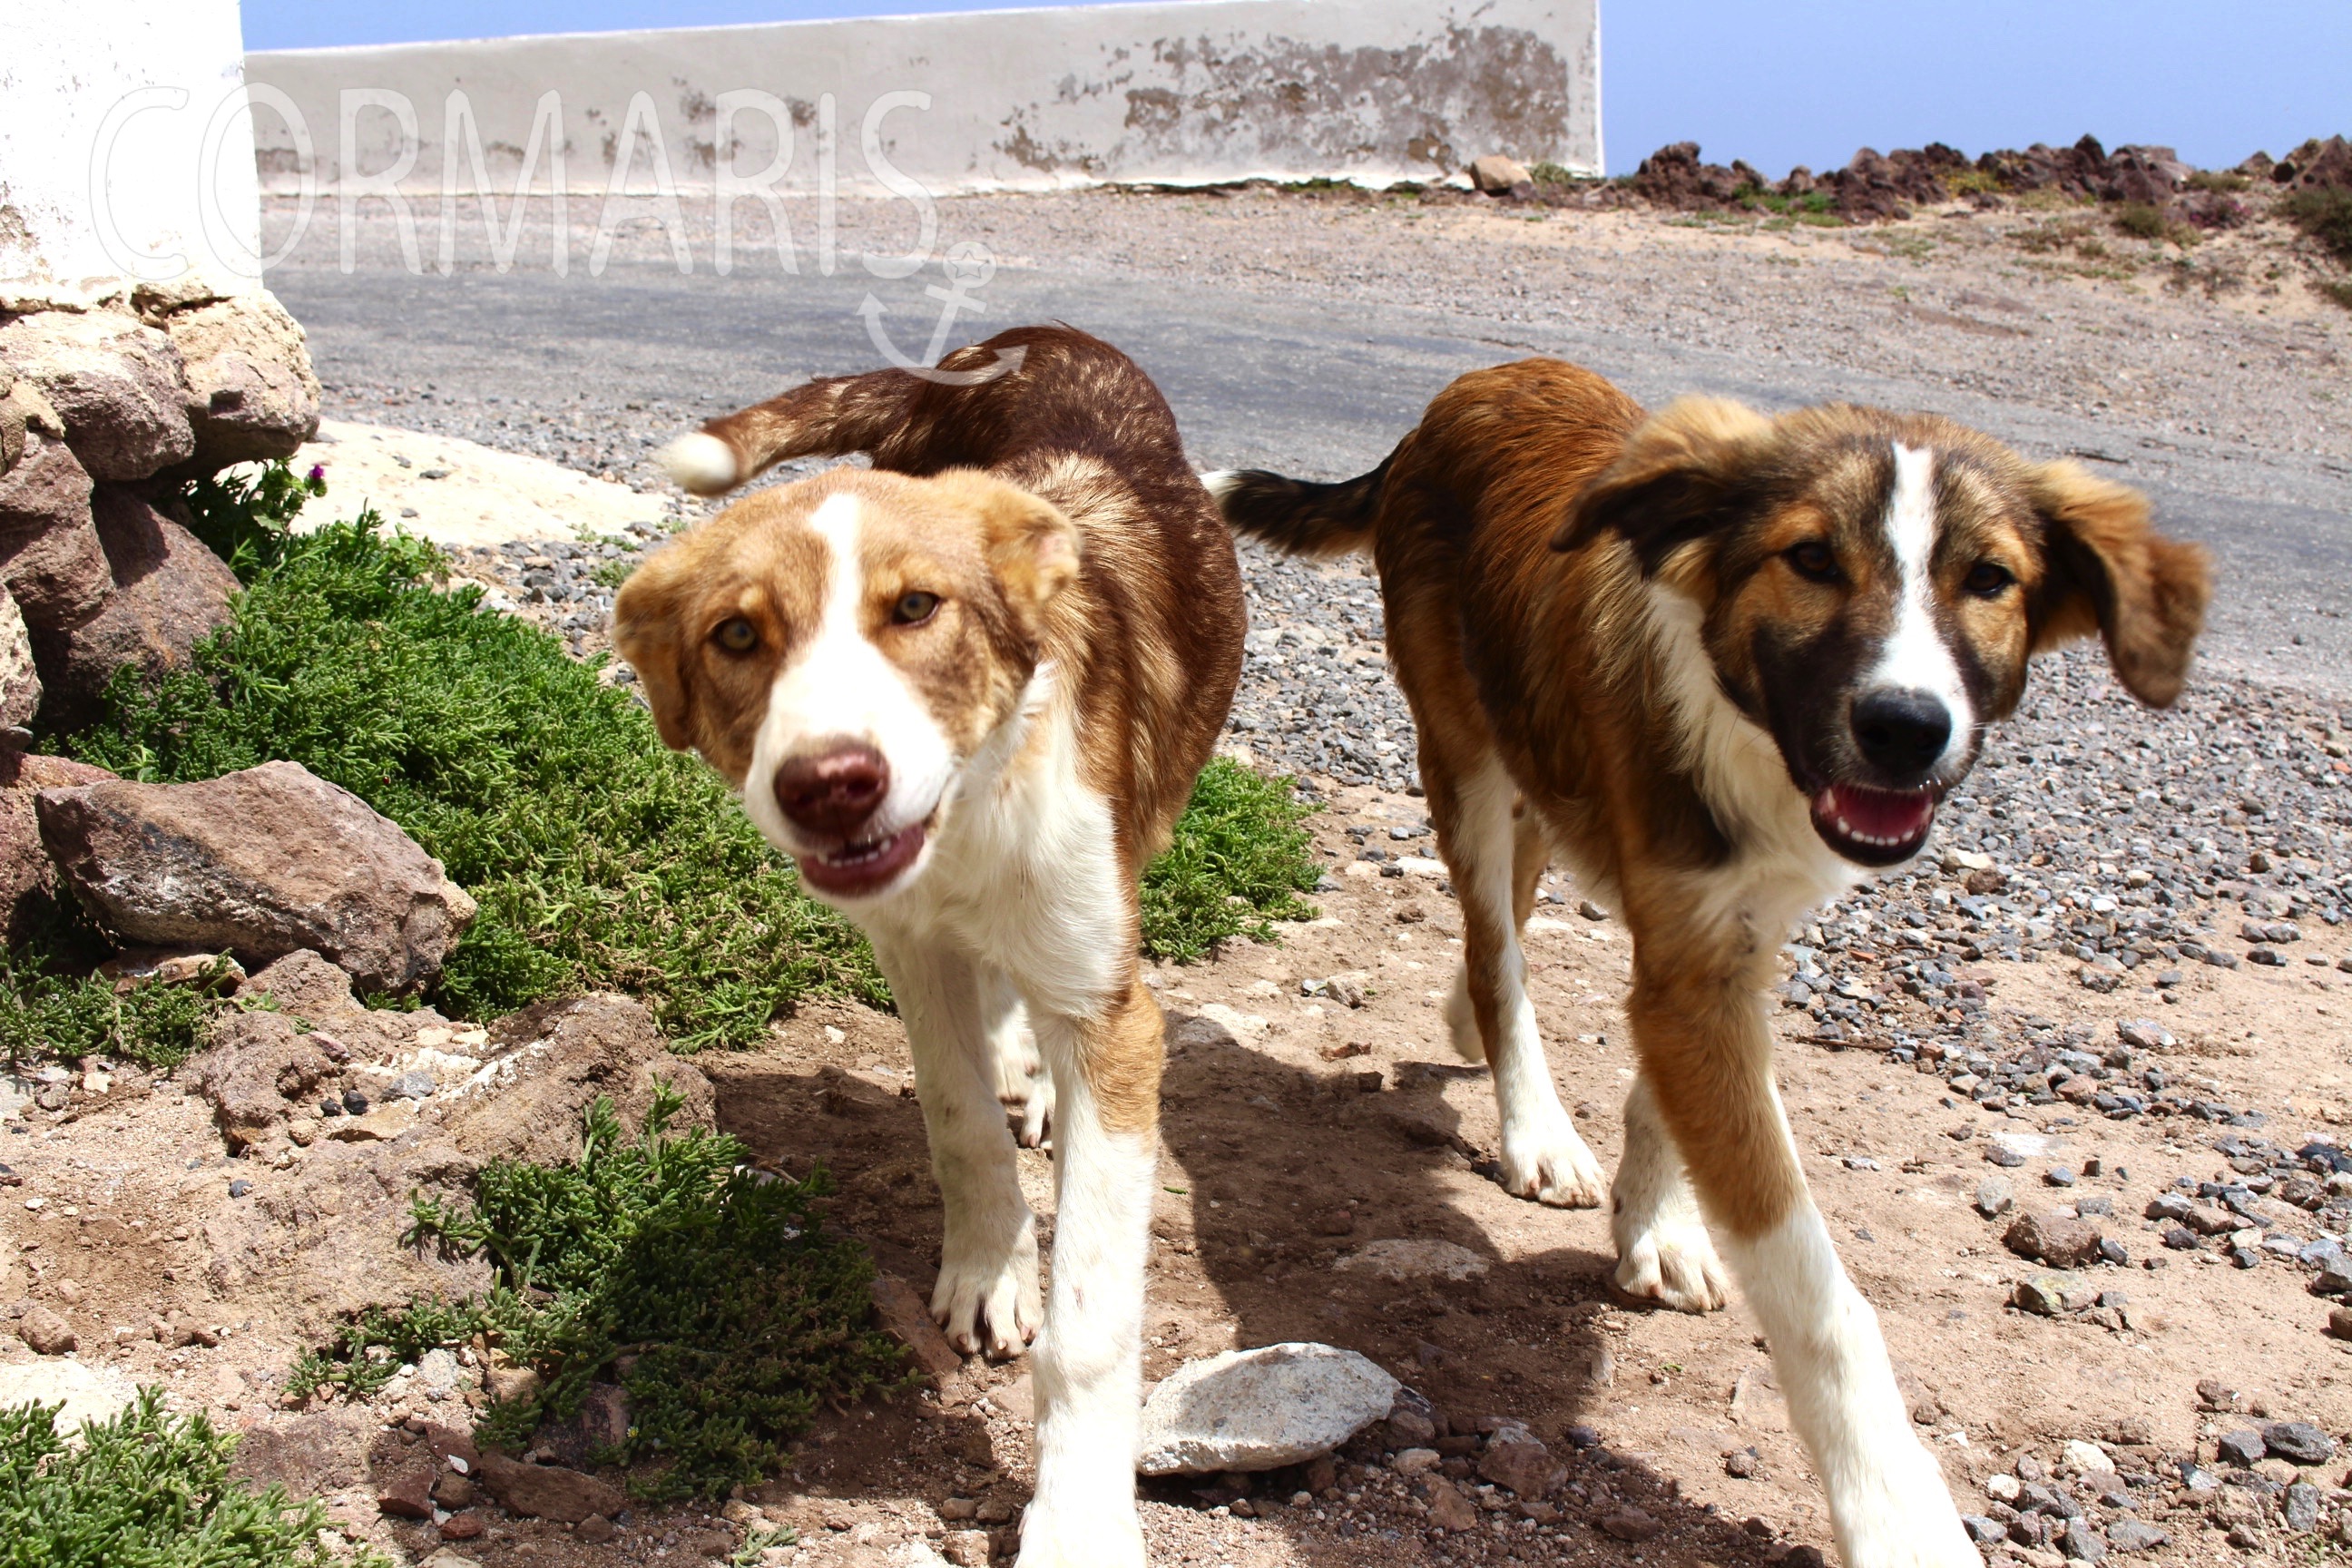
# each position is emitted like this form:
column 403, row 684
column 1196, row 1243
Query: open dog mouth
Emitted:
column 866, row 867
column 1875, row 826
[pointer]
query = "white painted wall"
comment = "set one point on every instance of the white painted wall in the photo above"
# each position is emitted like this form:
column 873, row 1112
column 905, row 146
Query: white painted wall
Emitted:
column 1375, row 91
column 96, row 181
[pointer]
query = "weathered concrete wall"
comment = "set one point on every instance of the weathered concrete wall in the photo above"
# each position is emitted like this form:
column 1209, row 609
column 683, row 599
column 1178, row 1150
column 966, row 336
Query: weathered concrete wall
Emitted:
column 1376, row 91
column 121, row 150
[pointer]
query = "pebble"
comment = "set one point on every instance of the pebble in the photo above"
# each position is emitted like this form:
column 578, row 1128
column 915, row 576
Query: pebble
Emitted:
column 1995, row 1197
column 1260, row 1409
column 2243, row 1448
column 2089, row 1457
column 2135, row 1535
column 2298, row 1442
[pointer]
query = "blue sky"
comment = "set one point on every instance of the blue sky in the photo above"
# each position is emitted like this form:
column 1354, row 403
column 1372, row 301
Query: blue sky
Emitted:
column 1775, row 85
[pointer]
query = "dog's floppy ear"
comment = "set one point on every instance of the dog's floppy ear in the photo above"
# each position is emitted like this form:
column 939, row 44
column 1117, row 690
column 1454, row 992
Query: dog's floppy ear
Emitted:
column 1682, row 473
column 1032, row 547
column 2110, row 573
column 649, row 630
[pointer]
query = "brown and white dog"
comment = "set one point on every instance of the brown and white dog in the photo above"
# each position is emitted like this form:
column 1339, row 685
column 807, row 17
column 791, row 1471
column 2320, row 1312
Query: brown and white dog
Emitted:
column 969, row 692
column 1722, row 664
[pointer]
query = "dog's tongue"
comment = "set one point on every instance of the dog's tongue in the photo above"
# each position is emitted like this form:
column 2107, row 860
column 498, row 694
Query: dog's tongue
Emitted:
column 1896, row 815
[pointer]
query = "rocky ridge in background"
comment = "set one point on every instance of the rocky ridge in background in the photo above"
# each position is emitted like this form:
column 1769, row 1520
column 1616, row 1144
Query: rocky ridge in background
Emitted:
column 110, row 400
column 1875, row 187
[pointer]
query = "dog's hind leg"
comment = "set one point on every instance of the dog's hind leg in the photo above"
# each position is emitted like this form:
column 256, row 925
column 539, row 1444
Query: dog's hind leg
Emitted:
column 1706, row 1055
column 1089, row 1363
column 987, row 1297
column 1662, row 1251
column 1481, row 839
column 1024, row 1087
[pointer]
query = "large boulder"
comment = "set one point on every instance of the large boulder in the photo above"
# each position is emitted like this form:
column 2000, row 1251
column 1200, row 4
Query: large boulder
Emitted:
column 1673, row 176
column 20, row 682
column 260, row 863
column 169, row 594
column 120, row 386
column 250, row 367
column 50, row 558
column 2149, row 174
column 28, row 879
column 2316, row 165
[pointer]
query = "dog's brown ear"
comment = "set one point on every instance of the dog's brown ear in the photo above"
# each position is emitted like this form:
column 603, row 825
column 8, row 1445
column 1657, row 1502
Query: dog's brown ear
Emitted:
column 1683, row 474
column 1032, row 547
column 648, row 629
column 2110, row 573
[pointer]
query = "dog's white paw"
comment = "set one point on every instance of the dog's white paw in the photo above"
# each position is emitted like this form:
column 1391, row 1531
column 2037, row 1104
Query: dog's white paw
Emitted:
column 991, row 1307
column 1032, row 1113
column 1549, row 1163
column 1462, row 1020
column 1904, row 1517
column 1098, row 1534
column 1675, row 1265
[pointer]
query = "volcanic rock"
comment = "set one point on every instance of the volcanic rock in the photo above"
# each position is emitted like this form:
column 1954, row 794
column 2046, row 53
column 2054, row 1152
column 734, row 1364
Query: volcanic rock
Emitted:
column 262, row 862
column 170, row 593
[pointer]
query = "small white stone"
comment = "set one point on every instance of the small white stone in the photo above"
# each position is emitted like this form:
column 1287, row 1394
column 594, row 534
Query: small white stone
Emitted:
column 2006, row 1487
column 1260, row 1409
column 2089, row 1459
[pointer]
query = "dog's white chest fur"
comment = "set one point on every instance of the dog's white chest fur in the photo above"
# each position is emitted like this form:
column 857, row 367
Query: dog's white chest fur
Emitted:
column 1025, row 873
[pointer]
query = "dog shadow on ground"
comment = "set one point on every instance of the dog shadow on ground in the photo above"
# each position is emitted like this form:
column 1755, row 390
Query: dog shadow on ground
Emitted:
column 1279, row 1179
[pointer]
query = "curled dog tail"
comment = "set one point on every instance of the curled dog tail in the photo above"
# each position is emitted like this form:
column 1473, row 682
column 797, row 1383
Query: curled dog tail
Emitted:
column 1299, row 517
column 830, row 416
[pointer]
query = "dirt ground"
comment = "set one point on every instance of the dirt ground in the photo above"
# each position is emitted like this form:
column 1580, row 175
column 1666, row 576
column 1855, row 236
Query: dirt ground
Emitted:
column 1298, row 1130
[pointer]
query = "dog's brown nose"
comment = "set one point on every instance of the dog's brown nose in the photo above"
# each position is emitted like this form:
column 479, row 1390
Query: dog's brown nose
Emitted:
column 833, row 792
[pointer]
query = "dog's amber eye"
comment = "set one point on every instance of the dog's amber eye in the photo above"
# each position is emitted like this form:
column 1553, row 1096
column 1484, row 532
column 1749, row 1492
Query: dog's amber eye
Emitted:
column 1815, row 560
column 1986, row 580
column 913, row 609
column 738, row 635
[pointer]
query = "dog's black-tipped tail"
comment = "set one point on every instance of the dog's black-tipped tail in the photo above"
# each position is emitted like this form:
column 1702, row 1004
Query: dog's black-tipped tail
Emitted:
column 1299, row 517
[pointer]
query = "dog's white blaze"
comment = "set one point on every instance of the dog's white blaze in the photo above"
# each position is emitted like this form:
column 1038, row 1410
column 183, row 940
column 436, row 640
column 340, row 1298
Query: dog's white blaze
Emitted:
column 1914, row 657
column 1888, row 1502
column 841, row 687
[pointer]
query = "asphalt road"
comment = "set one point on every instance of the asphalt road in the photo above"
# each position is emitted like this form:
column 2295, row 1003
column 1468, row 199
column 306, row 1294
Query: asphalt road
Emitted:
column 1313, row 386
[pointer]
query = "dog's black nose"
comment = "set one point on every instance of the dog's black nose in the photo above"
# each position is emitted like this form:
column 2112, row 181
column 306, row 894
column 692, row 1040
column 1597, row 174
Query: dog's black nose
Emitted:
column 1901, row 732
column 833, row 792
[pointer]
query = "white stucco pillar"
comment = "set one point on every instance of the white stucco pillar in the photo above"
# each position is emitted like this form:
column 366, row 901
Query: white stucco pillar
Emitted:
column 125, row 149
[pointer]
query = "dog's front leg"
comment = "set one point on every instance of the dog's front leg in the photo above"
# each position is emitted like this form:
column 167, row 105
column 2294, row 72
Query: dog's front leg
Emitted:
column 1089, row 1366
column 987, row 1297
column 1706, row 1053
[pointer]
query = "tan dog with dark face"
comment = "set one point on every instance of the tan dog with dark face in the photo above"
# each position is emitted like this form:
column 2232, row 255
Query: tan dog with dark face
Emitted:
column 969, row 693
column 1722, row 664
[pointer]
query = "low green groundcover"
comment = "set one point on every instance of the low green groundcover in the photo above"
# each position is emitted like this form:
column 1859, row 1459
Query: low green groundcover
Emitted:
column 709, row 1291
column 145, row 1490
